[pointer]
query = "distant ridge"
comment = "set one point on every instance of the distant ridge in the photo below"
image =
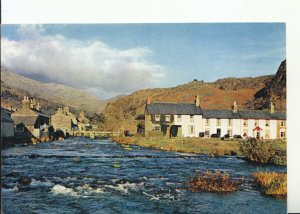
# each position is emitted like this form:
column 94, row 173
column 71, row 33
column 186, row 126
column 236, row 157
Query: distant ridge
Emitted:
column 15, row 86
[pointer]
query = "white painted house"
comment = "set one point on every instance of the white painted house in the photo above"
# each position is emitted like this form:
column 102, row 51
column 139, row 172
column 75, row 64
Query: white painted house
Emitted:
column 7, row 124
column 189, row 120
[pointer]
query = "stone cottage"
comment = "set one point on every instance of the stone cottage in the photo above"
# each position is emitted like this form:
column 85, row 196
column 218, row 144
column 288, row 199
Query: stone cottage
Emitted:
column 29, row 119
column 64, row 120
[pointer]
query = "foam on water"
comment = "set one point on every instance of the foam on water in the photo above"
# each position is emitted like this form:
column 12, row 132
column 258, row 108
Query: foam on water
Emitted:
column 126, row 186
column 59, row 189
column 83, row 190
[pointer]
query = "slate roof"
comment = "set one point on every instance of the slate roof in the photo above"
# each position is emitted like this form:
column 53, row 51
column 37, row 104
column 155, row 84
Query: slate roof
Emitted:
column 173, row 108
column 26, row 120
column 191, row 109
column 222, row 114
column 27, row 116
column 243, row 114
column 5, row 116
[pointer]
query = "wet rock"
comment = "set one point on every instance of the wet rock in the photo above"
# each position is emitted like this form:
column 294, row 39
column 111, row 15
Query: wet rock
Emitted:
column 33, row 156
column 13, row 174
column 77, row 159
column 24, row 180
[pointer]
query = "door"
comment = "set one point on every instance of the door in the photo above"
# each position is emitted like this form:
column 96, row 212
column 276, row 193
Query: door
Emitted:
column 219, row 132
column 257, row 135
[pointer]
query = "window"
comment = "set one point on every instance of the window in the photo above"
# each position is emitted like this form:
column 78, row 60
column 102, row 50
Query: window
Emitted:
column 206, row 132
column 167, row 118
column 245, row 122
column 245, row 132
column 229, row 122
column 267, row 134
column 218, row 122
column 256, row 123
column 229, row 132
column 178, row 118
column 282, row 134
column 191, row 129
column 157, row 117
column 191, row 118
column 20, row 129
column 282, row 123
column 207, row 122
column 157, row 128
column 268, row 123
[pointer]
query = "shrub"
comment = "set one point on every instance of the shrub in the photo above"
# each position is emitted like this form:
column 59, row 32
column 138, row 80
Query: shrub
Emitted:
column 257, row 151
column 213, row 182
column 272, row 183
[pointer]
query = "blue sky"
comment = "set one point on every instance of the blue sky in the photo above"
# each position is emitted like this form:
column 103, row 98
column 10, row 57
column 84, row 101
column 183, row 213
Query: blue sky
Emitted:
column 112, row 59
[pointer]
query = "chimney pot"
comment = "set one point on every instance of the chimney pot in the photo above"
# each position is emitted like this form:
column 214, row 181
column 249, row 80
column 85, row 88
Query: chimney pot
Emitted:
column 272, row 108
column 197, row 101
column 234, row 107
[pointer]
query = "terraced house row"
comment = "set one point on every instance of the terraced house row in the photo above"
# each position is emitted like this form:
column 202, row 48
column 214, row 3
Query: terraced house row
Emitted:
column 190, row 120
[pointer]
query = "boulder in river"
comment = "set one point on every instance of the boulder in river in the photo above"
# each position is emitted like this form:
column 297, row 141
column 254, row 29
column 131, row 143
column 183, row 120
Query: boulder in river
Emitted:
column 24, row 180
column 13, row 174
column 76, row 159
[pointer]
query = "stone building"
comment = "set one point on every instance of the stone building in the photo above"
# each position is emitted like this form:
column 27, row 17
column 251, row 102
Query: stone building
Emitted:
column 190, row 120
column 64, row 120
column 29, row 119
column 83, row 122
column 7, row 124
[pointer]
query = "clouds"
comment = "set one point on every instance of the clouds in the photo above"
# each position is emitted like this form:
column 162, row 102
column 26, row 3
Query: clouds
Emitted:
column 90, row 64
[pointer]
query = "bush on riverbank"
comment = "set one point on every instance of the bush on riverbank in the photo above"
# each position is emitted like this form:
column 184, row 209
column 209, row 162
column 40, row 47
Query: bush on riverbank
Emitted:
column 272, row 183
column 265, row 152
column 209, row 181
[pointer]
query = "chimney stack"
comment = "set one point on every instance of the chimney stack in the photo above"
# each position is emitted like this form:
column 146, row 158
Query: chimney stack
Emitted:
column 234, row 107
column 149, row 100
column 25, row 103
column 197, row 101
column 38, row 107
column 272, row 108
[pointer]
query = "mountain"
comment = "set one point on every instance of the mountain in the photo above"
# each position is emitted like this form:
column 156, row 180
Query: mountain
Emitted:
column 14, row 87
column 274, row 91
column 249, row 93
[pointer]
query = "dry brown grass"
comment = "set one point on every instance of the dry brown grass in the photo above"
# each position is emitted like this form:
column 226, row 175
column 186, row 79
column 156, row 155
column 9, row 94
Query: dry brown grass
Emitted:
column 272, row 183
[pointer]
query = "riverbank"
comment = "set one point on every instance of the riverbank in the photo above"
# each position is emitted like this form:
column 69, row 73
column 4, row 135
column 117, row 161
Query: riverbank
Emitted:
column 215, row 147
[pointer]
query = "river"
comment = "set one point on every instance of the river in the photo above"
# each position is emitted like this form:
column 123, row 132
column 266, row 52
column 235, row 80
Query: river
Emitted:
column 81, row 175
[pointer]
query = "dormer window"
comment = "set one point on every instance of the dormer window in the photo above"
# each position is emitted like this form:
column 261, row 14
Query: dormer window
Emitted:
column 218, row 122
column 178, row 118
column 207, row 122
column 167, row 118
column 229, row 122
column 157, row 117
column 191, row 118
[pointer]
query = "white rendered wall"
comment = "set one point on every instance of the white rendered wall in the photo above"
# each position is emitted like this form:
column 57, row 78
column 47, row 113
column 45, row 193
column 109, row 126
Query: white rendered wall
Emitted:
column 186, row 122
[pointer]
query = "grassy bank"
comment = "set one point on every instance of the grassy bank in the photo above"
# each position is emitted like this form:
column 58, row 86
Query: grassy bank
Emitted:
column 272, row 183
column 189, row 145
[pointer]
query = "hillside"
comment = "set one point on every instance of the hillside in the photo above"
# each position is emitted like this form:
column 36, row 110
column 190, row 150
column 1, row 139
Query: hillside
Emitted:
column 51, row 95
column 274, row 91
column 217, row 95
column 250, row 93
